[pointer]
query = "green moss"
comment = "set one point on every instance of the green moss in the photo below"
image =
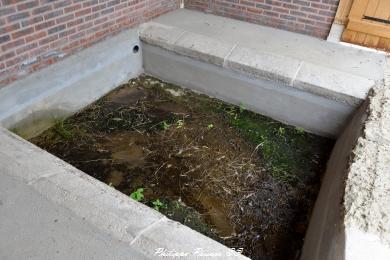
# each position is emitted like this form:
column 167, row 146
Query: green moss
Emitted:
column 285, row 149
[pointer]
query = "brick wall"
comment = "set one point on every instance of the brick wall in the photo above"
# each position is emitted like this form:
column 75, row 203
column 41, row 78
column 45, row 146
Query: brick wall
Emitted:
column 311, row 17
column 36, row 33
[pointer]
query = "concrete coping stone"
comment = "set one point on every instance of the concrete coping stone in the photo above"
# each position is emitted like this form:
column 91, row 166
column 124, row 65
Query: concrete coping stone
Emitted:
column 332, row 84
column 263, row 65
column 142, row 228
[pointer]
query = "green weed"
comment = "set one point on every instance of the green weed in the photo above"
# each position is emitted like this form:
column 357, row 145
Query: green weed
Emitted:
column 165, row 125
column 138, row 195
column 179, row 123
column 59, row 127
column 300, row 130
column 242, row 108
column 210, row 126
column 157, row 204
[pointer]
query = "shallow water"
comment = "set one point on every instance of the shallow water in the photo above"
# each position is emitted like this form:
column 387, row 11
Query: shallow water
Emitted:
column 235, row 176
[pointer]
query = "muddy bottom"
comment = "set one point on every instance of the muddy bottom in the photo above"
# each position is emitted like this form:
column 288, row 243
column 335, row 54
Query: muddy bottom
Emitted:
column 240, row 178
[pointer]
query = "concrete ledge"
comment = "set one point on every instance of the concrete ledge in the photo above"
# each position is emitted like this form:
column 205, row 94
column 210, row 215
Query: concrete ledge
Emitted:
column 290, row 105
column 323, row 81
column 76, row 208
column 265, row 39
column 67, row 86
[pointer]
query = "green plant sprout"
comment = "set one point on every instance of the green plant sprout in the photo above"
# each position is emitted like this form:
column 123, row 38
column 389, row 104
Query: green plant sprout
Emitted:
column 165, row 125
column 179, row 123
column 60, row 129
column 138, row 195
column 157, row 204
column 242, row 108
column 210, row 126
column 300, row 130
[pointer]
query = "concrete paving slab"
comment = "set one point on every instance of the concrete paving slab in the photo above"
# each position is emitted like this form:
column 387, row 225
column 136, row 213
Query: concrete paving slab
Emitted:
column 35, row 227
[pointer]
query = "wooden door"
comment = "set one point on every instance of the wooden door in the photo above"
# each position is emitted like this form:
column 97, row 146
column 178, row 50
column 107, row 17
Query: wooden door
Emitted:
column 369, row 24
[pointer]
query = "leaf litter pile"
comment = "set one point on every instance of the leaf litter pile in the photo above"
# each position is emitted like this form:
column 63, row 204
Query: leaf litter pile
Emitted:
column 240, row 178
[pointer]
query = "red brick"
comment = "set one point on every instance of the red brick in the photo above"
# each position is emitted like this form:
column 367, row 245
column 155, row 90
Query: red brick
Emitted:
column 56, row 29
column 13, row 44
column 17, row 16
column 320, row 6
column 44, row 25
column 7, row 55
column 26, row 48
column 90, row 3
column 31, row 21
column 35, row 36
column 83, row 12
column 98, row 7
column 7, row 10
column 53, row 14
column 72, row 8
column 48, row 39
column 65, row 18
column 15, row 60
column 62, row 4
column 23, row 32
column 4, row 38
column 67, row 32
column 9, row 28
column 41, row 9
column 84, row 26
column 27, row 5
column 75, row 22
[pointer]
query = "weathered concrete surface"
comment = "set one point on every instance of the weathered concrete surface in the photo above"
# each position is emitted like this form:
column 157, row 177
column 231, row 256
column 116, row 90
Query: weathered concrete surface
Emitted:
column 51, row 210
column 164, row 36
column 367, row 191
column 294, row 72
column 351, row 219
column 325, row 237
column 270, row 40
column 262, row 65
column 194, row 46
column 292, row 106
column 332, row 84
column 67, row 86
